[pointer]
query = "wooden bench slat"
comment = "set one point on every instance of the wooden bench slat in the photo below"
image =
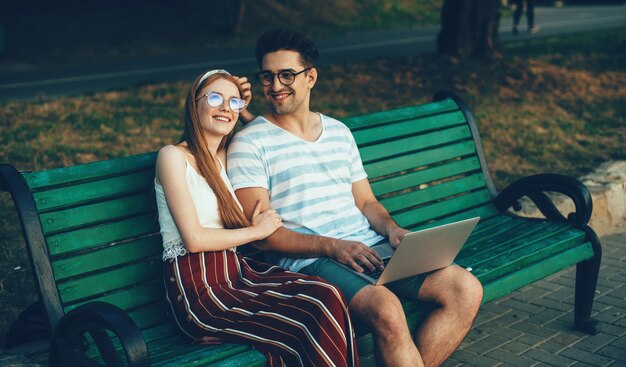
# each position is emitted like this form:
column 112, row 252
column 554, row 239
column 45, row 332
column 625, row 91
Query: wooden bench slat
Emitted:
column 494, row 267
column 83, row 216
column 410, row 144
column 422, row 176
column 158, row 334
column 196, row 355
column 508, row 233
column 487, row 226
column 485, row 212
column 166, row 338
column 251, row 358
column 418, row 159
column 379, row 118
column 519, row 247
column 95, row 170
column 412, row 126
column 148, row 247
column 433, row 193
column 145, row 293
column 533, row 272
column 83, row 193
column 103, row 234
column 432, row 211
column 151, row 315
column 94, row 285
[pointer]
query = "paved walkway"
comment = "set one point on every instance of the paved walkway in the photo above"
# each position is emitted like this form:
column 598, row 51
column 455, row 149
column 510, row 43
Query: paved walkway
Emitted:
column 531, row 327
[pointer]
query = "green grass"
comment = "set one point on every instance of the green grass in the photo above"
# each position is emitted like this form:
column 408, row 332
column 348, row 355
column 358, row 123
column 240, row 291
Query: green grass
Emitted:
column 553, row 104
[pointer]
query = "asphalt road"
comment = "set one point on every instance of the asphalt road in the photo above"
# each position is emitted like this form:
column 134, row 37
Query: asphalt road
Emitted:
column 369, row 45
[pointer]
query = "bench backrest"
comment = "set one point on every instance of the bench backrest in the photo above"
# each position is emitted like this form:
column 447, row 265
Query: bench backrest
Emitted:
column 425, row 163
column 100, row 223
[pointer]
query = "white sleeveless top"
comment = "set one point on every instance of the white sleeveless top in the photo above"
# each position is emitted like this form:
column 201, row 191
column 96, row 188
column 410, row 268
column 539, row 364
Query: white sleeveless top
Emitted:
column 205, row 203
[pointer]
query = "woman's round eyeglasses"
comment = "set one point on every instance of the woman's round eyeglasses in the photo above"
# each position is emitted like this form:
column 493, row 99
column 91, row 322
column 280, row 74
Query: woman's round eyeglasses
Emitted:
column 216, row 100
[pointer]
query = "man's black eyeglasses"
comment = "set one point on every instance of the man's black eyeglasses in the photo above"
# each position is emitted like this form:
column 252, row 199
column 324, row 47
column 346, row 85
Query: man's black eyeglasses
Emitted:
column 286, row 77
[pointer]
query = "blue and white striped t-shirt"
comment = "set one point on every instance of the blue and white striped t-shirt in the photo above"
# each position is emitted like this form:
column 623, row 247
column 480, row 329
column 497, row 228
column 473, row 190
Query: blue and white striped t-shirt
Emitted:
column 309, row 183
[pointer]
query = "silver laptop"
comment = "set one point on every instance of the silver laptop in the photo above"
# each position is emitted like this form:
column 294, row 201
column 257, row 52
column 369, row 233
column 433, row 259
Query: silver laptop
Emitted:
column 420, row 252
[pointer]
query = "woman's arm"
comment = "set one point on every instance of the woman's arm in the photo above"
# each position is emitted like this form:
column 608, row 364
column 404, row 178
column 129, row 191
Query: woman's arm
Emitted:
column 170, row 172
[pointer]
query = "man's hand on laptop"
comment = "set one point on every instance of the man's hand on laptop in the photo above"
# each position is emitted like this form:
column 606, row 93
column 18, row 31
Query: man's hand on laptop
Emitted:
column 356, row 255
column 395, row 235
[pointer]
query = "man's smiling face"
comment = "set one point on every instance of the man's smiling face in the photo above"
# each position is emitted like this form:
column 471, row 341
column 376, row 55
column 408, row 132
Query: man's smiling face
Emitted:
column 286, row 99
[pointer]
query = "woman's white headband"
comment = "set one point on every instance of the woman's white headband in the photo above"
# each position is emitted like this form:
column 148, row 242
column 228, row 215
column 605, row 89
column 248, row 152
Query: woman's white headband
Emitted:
column 211, row 72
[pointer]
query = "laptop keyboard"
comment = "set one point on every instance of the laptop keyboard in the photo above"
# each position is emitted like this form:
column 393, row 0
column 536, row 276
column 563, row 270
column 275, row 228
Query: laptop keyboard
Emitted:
column 376, row 272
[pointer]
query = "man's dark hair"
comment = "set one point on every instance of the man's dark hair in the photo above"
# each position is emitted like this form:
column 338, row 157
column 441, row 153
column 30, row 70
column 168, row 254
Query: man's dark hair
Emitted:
column 286, row 39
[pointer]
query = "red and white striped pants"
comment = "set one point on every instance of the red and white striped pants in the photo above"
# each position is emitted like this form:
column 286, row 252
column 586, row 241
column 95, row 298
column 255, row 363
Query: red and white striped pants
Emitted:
column 294, row 319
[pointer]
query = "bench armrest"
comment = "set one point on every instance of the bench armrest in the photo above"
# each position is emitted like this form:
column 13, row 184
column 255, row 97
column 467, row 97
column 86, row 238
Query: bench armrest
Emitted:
column 100, row 320
column 13, row 182
column 535, row 186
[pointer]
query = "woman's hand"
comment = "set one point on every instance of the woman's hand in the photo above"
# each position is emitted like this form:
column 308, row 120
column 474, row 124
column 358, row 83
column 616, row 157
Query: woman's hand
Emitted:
column 265, row 223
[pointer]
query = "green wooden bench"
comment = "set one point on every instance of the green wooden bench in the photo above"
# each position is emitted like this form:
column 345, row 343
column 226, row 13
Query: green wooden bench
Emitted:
column 95, row 249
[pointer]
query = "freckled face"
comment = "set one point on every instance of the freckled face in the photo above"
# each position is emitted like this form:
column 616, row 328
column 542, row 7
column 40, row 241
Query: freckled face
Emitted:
column 218, row 121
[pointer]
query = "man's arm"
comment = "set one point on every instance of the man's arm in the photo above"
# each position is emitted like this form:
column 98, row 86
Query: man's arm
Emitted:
column 295, row 244
column 245, row 116
column 376, row 214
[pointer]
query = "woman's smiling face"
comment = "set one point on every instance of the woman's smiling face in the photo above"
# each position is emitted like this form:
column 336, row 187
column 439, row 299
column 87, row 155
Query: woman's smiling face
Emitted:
column 218, row 121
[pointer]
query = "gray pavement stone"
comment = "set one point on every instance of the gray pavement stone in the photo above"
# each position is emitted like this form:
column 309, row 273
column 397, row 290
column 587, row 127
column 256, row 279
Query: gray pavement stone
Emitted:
column 610, row 300
column 505, row 332
column 489, row 343
column 621, row 322
column 516, row 347
column 613, row 330
column 531, row 340
column 615, row 353
column 537, row 321
column 582, row 364
column 528, row 294
column 533, row 329
column 621, row 342
column 552, row 304
column 596, row 342
column 474, row 359
column 549, row 358
column 521, row 305
column 586, row 357
column 611, row 315
column 544, row 316
column 511, row 358
column 554, row 345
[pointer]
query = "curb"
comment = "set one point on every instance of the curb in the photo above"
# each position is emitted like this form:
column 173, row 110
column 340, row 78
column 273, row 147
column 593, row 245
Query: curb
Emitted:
column 607, row 185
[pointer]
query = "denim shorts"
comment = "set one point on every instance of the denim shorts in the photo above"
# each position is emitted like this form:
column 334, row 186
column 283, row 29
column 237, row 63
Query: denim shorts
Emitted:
column 350, row 283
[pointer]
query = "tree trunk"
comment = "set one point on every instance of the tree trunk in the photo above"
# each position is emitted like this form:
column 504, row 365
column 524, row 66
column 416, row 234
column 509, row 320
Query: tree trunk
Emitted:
column 469, row 27
column 223, row 16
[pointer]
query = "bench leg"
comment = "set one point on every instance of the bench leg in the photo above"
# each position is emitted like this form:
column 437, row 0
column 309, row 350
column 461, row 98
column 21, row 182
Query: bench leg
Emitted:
column 586, row 281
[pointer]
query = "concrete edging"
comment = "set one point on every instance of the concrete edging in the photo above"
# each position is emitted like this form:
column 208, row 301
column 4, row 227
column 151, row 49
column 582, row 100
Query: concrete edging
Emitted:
column 607, row 185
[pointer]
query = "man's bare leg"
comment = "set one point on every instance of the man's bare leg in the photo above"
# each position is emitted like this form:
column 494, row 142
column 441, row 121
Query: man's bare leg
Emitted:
column 380, row 309
column 458, row 294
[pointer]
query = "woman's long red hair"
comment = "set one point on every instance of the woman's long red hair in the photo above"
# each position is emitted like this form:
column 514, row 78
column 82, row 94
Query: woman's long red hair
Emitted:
column 193, row 135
